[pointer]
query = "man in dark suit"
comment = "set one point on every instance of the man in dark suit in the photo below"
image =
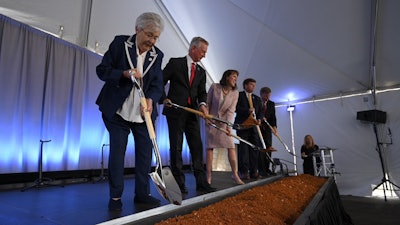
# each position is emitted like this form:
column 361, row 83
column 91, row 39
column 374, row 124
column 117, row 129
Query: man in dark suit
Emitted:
column 128, row 57
column 248, row 108
column 187, row 87
column 268, row 111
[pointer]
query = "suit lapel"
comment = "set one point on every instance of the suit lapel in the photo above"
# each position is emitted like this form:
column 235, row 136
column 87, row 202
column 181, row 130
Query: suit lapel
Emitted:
column 244, row 98
column 151, row 57
column 130, row 50
column 185, row 68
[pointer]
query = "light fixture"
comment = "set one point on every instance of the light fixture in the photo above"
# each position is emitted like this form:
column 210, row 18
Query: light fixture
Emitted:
column 61, row 31
column 96, row 46
column 291, row 108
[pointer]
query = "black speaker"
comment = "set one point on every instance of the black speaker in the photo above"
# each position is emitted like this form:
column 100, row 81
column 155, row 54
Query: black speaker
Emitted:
column 374, row 116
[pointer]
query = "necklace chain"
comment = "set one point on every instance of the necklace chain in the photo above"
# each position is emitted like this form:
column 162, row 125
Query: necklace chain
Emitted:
column 225, row 91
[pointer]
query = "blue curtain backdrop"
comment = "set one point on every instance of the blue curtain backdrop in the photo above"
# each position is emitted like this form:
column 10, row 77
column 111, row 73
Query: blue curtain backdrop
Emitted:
column 48, row 88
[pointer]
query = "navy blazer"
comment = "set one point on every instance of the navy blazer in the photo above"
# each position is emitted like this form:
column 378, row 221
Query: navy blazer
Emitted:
column 118, row 58
column 242, row 107
column 176, row 72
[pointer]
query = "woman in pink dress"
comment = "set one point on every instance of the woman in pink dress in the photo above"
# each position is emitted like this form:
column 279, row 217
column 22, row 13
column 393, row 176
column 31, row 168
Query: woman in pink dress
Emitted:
column 222, row 98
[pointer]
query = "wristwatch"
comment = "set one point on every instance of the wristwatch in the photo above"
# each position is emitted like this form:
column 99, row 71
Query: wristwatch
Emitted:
column 131, row 73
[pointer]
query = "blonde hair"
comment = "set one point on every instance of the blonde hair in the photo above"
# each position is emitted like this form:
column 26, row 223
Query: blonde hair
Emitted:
column 312, row 144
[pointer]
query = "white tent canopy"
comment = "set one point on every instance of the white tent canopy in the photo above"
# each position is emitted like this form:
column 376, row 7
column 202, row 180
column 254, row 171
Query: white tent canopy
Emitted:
column 303, row 50
column 324, row 48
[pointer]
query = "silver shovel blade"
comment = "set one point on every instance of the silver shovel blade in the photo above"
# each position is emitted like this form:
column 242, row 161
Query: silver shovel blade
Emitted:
column 167, row 187
column 159, row 184
column 172, row 189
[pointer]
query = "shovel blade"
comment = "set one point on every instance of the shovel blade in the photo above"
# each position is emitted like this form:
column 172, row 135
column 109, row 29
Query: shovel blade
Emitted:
column 159, row 184
column 167, row 187
column 172, row 189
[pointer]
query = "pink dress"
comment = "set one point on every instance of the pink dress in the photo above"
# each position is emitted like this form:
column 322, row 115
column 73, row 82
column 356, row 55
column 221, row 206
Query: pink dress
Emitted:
column 223, row 107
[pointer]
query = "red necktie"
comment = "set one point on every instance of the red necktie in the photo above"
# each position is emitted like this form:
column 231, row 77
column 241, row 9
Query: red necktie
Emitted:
column 192, row 73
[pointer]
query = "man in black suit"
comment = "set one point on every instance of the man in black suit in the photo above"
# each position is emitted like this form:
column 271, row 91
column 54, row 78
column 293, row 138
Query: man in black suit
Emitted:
column 187, row 87
column 247, row 109
column 131, row 57
column 268, row 111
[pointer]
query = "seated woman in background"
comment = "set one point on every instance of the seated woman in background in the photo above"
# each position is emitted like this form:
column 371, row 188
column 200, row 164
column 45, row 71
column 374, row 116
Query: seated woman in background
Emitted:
column 307, row 149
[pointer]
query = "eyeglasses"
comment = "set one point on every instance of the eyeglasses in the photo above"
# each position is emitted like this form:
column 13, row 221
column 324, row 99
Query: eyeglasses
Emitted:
column 150, row 35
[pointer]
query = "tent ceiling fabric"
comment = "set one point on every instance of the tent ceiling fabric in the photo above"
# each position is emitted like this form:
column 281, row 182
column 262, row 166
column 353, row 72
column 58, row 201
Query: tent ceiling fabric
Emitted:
column 388, row 50
column 301, row 49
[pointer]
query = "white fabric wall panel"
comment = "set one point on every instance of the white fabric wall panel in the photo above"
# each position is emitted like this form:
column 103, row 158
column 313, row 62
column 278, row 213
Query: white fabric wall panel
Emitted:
column 334, row 124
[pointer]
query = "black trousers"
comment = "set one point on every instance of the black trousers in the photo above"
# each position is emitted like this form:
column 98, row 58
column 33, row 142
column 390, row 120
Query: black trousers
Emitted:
column 119, row 129
column 188, row 124
column 247, row 156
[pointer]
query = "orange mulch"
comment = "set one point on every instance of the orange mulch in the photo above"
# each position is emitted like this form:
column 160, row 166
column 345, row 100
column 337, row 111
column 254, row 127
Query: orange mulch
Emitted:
column 280, row 202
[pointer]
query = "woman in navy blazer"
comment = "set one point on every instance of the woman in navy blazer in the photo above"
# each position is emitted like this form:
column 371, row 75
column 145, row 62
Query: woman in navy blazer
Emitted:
column 127, row 57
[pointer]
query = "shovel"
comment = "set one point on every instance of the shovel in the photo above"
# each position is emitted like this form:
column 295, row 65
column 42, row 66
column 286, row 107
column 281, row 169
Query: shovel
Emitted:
column 211, row 117
column 279, row 137
column 246, row 142
column 162, row 177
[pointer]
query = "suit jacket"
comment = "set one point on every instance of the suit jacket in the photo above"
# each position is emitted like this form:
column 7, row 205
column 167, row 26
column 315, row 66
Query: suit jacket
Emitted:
column 222, row 109
column 242, row 107
column 176, row 72
column 270, row 113
column 119, row 57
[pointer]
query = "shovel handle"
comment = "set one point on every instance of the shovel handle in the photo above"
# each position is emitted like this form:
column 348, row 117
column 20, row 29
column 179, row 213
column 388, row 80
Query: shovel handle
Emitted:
column 278, row 136
column 198, row 113
column 261, row 137
column 147, row 118
column 233, row 135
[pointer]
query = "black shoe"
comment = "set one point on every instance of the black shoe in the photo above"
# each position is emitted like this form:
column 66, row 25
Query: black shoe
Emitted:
column 205, row 188
column 255, row 175
column 147, row 200
column 244, row 176
column 270, row 173
column 184, row 190
column 114, row 205
column 264, row 174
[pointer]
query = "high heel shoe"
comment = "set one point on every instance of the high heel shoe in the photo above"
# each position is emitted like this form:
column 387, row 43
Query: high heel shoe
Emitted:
column 237, row 179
